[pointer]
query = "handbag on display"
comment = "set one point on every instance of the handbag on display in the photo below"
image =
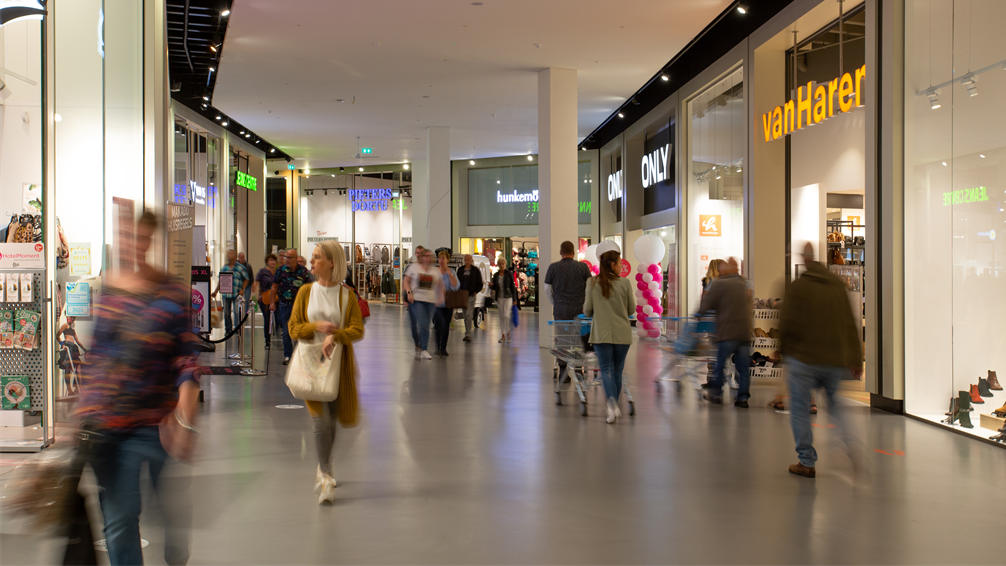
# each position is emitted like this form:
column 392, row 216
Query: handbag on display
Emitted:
column 456, row 299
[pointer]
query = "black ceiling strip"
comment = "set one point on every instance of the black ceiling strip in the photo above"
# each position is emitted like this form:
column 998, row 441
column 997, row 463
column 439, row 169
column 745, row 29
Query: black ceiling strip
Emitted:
column 185, row 37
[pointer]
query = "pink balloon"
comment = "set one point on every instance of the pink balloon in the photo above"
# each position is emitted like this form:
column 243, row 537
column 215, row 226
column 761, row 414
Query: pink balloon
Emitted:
column 639, row 308
column 658, row 277
column 642, row 286
column 654, row 333
column 654, row 268
column 653, row 301
column 647, row 294
column 639, row 277
column 657, row 309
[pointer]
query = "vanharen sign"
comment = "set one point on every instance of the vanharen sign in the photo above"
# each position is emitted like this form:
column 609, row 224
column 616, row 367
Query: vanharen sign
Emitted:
column 808, row 110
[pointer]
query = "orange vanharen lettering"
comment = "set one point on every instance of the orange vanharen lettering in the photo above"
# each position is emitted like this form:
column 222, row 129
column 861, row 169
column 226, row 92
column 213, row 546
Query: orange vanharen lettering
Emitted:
column 788, row 118
column 820, row 105
column 832, row 87
column 860, row 75
column 844, row 90
column 803, row 105
column 777, row 123
column 766, row 120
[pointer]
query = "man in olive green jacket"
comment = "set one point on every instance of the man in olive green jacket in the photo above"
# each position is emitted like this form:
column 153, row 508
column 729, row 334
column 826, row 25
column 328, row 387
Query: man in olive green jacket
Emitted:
column 822, row 346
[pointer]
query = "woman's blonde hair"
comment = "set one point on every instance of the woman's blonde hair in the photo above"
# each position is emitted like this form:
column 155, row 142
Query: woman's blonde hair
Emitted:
column 713, row 272
column 501, row 260
column 333, row 252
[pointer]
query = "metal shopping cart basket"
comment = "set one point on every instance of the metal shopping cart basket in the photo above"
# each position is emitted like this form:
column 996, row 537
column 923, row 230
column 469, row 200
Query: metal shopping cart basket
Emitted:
column 690, row 346
column 569, row 339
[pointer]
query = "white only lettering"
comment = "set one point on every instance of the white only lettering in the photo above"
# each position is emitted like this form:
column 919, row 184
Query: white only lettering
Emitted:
column 615, row 186
column 654, row 166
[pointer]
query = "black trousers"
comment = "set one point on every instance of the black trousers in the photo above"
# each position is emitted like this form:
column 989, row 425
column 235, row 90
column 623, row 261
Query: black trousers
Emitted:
column 442, row 327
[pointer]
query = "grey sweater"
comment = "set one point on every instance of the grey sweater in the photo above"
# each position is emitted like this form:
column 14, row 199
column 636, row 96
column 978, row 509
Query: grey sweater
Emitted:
column 728, row 296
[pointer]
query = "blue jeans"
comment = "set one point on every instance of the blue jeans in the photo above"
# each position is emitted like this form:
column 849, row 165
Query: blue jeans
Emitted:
column 741, row 351
column 442, row 325
column 231, row 313
column 803, row 379
column 423, row 315
column 118, row 478
column 611, row 358
column 413, row 326
column 284, row 310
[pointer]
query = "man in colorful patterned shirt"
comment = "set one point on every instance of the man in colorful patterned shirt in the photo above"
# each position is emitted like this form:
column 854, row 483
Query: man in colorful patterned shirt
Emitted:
column 288, row 281
column 239, row 282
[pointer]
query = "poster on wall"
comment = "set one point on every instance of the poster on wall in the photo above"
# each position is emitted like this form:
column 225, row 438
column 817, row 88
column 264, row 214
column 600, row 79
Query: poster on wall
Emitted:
column 78, row 299
column 181, row 219
column 80, row 259
column 201, row 277
column 22, row 256
column 32, row 198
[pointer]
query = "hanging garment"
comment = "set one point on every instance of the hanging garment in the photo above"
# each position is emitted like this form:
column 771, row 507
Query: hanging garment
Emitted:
column 385, row 255
column 398, row 252
column 388, row 282
column 359, row 254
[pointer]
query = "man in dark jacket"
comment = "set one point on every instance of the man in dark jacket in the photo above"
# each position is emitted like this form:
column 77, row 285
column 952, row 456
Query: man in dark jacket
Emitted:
column 730, row 298
column 822, row 346
column 470, row 278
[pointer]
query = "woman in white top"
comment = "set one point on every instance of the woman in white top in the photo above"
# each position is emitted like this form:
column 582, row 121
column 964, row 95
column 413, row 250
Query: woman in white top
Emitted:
column 504, row 293
column 425, row 292
column 327, row 312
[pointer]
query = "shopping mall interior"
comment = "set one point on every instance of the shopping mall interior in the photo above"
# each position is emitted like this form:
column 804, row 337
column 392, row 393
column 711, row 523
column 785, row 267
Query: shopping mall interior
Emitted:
column 507, row 281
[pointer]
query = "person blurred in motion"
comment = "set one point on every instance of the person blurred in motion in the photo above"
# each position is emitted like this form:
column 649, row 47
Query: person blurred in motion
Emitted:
column 266, row 293
column 407, row 292
column 328, row 311
column 249, row 276
column 822, row 346
column 471, row 280
column 289, row 278
column 729, row 297
column 442, row 322
column 239, row 281
column 566, row 288
column 610, row 303
column 141, row 381
column 426, row 290
column 712, row 274
column 504, row 293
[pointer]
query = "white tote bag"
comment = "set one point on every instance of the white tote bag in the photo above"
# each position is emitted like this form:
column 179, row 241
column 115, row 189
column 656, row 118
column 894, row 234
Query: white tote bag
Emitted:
column 311, row 376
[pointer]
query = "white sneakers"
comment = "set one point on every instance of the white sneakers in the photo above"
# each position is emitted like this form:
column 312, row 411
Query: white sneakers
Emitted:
column 509, row 337
column 425, row 356
column 613, row 412
column 501, row 340
column 325, row 486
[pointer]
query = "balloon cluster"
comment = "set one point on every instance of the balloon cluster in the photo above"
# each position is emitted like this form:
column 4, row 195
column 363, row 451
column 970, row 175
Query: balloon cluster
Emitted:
column 649, row 251
column 596, row 251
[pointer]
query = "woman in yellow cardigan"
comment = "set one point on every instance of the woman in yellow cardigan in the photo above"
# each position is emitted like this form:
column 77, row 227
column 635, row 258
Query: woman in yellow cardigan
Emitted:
column 328, row 310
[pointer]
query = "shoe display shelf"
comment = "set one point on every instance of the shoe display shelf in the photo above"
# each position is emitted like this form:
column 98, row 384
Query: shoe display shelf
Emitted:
column 767, row 320
column 984, row 423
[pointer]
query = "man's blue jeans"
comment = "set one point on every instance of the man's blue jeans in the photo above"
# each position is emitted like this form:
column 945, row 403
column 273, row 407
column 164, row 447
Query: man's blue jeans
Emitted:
column 803, row 379
column 423, row 316
column 413, row 326
column 611, row 358
column 231, row 312
column 118, row 478
column 741, row 351
column 285, row 310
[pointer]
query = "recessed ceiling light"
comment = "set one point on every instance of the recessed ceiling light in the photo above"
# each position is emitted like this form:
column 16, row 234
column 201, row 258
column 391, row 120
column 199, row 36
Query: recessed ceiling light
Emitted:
column 273, row 150
column 247, row 135
column 213, row 48
column 225, row 13
column 361, row 168
column 583, row 149
column 256, row 141
column 742, row 8
column 213, row 69
column 225, row 122
column 218, row 117
column 471, row 162
column 665, row 78
column 530, row 158
column 333, row 176
column 944, row 163
column 981, row 155
column 497, row 181
column 206, row 98
column 307, row 171
column 620, row 115
column 59, row 118
column 406, row 166
column 242, row 132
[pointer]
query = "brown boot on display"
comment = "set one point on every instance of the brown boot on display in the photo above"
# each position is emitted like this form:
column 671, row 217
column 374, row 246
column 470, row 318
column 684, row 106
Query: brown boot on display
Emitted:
column 964, row 413
column 983, row 387
column 994, row 382
column 1000, row 412
column 1001, row 437
column 954, row 412
column 976, row 396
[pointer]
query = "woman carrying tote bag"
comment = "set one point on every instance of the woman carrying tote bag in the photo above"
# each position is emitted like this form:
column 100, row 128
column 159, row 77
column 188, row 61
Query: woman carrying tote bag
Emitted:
column 326, row 321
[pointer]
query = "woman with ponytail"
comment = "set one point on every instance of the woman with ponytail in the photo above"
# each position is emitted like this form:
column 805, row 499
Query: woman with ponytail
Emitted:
column 610, row 303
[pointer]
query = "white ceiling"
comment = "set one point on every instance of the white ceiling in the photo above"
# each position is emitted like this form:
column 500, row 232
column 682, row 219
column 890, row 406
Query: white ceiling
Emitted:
column 286, row 63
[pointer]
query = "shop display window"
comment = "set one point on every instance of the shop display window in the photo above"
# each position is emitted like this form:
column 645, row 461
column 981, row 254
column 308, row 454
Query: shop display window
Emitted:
column 955, row 213
column 715, row 178
column 668, row 267
column 508, row 195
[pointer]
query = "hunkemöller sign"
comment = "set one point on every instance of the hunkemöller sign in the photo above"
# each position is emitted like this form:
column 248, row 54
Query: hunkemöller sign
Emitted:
column 786, row 119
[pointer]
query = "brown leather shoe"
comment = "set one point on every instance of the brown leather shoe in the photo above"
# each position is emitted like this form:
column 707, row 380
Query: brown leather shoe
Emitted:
column 994, row 382
column 801, row 470
column 976, row 396
column 1000, row 412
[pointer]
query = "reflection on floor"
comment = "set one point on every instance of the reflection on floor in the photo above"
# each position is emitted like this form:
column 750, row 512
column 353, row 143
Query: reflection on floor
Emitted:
column 468, row 460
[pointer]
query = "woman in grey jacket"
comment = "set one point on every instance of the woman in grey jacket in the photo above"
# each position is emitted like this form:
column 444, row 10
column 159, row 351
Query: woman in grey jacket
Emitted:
column 610, row 302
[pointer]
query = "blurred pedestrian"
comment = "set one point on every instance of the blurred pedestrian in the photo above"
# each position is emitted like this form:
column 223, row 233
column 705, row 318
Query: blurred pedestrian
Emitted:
column 504, row 294
column 407, row 292
column 141, row 377
column 822, row 346
column 566, row 288
column 610, row 302
column 267, row 293
column 239, row 282
column 426, row 290
column 712, row 274
column 249, row 276
column 327, row 312
column 470, row 277
column 729, row 297
column 442, row 322
column 289, row 278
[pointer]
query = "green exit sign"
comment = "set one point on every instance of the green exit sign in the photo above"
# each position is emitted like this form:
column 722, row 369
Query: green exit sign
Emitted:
column 290, row 166
column 367, row 150
column 247, row 181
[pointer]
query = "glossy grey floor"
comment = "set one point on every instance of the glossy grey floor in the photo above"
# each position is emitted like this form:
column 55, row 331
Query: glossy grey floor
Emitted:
column 468, row 460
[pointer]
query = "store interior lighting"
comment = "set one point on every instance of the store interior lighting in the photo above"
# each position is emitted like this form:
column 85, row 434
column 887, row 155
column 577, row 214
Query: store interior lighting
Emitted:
column 742, row 8
column 934, row 100
column 225, row 13
column 665, row 78
column 971, row 85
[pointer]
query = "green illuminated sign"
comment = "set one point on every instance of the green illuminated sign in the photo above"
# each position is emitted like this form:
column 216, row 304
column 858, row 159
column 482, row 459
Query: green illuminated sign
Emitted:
column 965, row 196
column 247, row 181
column 398, row 204
column 367, row 150
column 584, row 207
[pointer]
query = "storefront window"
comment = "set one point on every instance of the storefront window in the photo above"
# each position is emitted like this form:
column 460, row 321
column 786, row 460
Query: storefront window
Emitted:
column 500, row 196
column 668, row 266
column 715, row 178
column 955, row 212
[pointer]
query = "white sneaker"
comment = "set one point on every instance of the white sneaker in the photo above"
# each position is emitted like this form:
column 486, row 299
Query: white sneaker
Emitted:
column 425, row 356
column 321, row 478
column 327, row 492
column 501, row 340
column 618, row 412
column 509, row 337
column 611, row 415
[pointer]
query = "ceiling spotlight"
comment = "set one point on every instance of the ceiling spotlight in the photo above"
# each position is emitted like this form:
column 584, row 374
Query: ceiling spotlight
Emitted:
column 218, row 117
column 471, row 162
column 530, row 158
column 583, row 149
column 325, row 192
column 742, row 8
column 620, row 115
column 971, row 85
column 934, row 99
column 333, row 175
column 206, row 98
column 213, row 48
column 497, row 181
column 256, row 141
column 342, row 169
column 982, row 155
column 225, row 13
column 225, row 122
column 247, row 135
column 665, row 78
column 718, row 177
column 273, row 150
column 361, row 169
column 204, row 105
column 406, row 166
column 944, row 163
column 213, row 69
column 242, row 132
column 58, row 118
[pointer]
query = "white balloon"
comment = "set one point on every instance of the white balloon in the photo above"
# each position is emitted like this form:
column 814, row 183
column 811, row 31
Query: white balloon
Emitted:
column 607, row 246
column 654, row 286
column 641, row 268
column 642, row 332
column 649, row 249
column 591, row 254
column 647, row 277
column 648, row 310
column 639, row 293
column 655, row 293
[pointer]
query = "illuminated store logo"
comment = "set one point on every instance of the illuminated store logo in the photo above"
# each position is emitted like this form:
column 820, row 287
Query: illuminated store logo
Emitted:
column 15, row 10
column 655, row 166
column 370, row 200
column 786, row 119
column 517, row 197
column 965, row 196
column 247, row 181
column 198, row 193
column 709, row 225
column 991, row 235
column 614, row 186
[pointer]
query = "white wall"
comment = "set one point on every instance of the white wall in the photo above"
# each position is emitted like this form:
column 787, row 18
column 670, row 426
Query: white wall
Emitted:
column 20, row 141
column 331, row 215
column 831, row 154
column 808, row 223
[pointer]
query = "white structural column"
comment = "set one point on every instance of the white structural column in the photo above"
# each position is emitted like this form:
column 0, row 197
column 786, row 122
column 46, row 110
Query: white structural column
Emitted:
column 557, row 188
column 431, row 191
